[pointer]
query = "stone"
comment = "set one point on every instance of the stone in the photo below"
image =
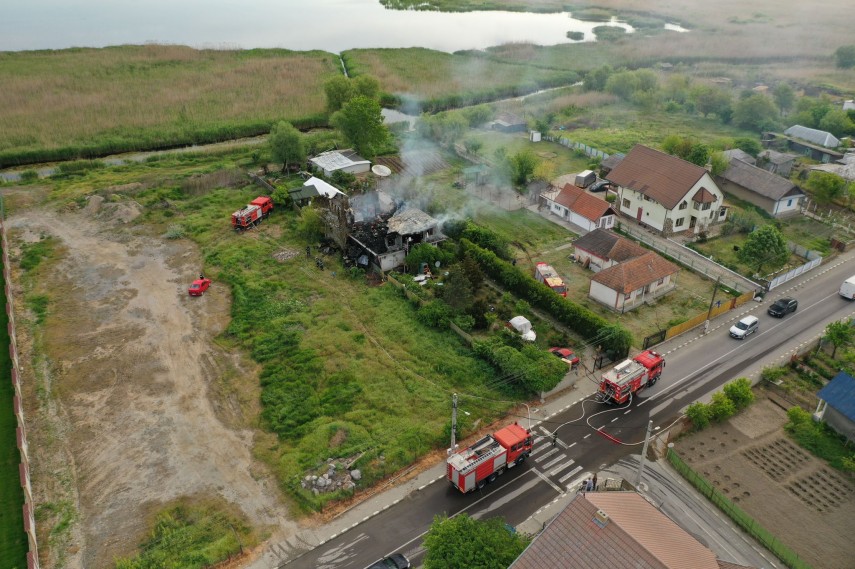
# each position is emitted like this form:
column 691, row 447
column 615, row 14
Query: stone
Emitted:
column 356, row 474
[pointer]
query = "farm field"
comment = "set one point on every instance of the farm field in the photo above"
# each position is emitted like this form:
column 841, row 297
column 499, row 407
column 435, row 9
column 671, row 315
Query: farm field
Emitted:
column 783, row 487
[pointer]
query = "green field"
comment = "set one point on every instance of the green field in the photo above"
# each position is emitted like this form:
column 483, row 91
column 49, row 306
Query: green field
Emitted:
column 13, row 539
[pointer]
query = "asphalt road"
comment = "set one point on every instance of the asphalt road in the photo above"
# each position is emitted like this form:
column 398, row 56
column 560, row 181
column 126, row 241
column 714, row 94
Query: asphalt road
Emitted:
column 696, row 367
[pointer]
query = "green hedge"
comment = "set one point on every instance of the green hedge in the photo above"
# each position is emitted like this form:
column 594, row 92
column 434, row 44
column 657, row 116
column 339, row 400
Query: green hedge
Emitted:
column 613, row 338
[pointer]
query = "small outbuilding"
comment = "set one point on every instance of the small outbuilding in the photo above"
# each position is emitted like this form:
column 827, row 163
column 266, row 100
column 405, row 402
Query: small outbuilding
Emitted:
column 777, row 196
column 837, row 405
column 340, row 160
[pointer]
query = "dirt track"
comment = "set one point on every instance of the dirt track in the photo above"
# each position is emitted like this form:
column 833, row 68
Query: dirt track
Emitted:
column 143, row 392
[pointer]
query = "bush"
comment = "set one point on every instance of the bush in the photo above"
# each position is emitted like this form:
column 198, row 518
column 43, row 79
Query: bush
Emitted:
column 29, row 176
column 699, row 414
column 721, row 407
column 739, row 392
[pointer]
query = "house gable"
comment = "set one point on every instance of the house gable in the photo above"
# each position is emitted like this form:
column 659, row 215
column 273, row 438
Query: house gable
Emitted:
column 658, row 176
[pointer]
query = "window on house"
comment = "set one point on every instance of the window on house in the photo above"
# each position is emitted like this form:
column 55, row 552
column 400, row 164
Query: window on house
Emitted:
column 661, row 282
column 706, row 206
column 625, row 202
column 679, row 222
column 789, row 203
column 684, row 205
column 696, row 205
column 722, row 211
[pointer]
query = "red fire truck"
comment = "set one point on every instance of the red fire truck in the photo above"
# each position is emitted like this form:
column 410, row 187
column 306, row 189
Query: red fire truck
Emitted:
column 620, row 382
column 545, row 274
column 489, row 457
column 253, row 214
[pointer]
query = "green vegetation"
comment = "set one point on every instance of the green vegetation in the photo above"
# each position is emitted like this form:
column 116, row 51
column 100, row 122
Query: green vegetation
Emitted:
column 462, row 541
column 79, row 103
column 33, row 253
column 819, row 439
column 734, row 397
column 191, row 536
column 13, row 540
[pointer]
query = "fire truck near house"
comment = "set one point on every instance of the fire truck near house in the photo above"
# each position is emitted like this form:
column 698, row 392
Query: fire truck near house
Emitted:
column 619, row 383
column 253, row 214
column 545, row 274
column 489, row 458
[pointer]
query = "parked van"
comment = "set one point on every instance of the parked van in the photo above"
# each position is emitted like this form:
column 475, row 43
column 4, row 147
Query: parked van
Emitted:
column 847, row 289
column 585, row 179
column 744, row 327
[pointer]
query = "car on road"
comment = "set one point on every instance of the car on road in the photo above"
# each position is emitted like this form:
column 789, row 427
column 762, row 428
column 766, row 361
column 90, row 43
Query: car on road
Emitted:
column 394, row 561
column 744, row 327
column 199, row 286
column 783, row 306
column 600, row 186
column 847, row 289
column 567, row 355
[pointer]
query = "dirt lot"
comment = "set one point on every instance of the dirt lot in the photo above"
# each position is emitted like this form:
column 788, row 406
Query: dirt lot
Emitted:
column 805, row 503
column 144, row 407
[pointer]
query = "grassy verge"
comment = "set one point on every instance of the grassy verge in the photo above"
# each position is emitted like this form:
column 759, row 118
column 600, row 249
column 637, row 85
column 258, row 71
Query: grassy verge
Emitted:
column 85, row 102
column 13, row 539
column 820, row 440
column 192, row 535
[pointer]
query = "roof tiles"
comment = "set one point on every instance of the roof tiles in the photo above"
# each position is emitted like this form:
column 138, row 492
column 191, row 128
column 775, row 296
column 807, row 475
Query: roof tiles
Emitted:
column 635, row 273
column 664, row 178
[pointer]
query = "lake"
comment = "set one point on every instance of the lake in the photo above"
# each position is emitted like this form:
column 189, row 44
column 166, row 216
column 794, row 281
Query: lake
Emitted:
column 329, row 25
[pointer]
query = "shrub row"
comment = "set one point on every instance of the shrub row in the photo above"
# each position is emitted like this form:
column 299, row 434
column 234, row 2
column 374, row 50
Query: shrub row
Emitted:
column 134, row 141
column 735, row 396
column 533, row 368
column 613, row 338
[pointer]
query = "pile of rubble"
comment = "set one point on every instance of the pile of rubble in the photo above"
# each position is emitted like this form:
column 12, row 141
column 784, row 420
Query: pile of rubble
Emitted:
column 335, row 478
column 285, row 254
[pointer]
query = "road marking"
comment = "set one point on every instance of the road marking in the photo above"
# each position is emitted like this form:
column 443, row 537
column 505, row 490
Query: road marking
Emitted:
column 586, row 436
column 562, row 467
column 571, row 473
column 547, row 480
column 554, row 461
column 538, row 439
column 615, row 419
column 627, row 411
column 549, row 453
column 571, row 445
column 545, row 431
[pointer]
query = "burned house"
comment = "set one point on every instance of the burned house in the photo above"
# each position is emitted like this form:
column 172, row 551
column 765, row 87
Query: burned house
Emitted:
column 377, row 233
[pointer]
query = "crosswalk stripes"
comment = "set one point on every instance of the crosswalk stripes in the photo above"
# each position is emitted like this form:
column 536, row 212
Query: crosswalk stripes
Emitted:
column 562, row 467
column 554, row 461
column 548, row 454
column 569, row 474
column 537, row 440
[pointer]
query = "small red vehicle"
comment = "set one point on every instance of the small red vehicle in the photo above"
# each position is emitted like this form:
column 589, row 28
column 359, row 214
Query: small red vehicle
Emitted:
column 567, row 355
column 199, row 286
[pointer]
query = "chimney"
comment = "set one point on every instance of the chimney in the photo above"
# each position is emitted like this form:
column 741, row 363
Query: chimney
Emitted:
column 601, row 518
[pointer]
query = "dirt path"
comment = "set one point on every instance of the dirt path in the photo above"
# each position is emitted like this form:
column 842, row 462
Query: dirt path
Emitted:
column 133, row 365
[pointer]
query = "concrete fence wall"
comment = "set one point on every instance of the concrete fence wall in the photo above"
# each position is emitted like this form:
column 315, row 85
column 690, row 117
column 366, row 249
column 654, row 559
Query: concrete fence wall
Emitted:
column 17, row 402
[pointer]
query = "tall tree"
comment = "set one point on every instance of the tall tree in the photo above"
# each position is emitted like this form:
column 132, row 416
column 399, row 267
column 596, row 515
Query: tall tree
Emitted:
column 756, row 112
column 367, row 86
column 711, row 100
column 462, row 541
column 339, row 90
column 826, row 187
column 457, row 289
column 699, row 154
column 361, row 122
column 719, row 163
column 837, row 122
column 764, row 247
column 839, row 334
column 524, row 164
column 286, row 145
column 784, row 97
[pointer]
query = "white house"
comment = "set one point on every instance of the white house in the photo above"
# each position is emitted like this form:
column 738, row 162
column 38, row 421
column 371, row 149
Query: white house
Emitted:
column 665, row 193
column 343, row 160
column 629, row 284
column 580, row 208
column 776, row 195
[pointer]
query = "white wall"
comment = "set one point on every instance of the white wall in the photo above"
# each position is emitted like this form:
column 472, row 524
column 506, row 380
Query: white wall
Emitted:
column 787, row 205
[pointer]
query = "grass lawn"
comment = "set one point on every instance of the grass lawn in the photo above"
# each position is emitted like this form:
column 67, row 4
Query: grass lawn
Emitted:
column 13, row 539
column 691, row 297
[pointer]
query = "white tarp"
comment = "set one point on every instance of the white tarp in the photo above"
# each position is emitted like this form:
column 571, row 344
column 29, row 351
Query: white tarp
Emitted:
column 522, row 325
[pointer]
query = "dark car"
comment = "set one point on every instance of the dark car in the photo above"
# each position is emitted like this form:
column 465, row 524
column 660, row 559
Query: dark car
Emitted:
column 783, row 306
column 394, row 561
column 567, row 355
column 600, row 186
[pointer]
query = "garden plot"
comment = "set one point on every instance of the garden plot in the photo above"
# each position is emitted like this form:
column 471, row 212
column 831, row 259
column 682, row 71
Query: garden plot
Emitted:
column 795, row 496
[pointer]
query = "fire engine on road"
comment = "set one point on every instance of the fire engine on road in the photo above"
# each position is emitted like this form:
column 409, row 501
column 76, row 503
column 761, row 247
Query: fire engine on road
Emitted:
column 488, row 458
column 619, row 383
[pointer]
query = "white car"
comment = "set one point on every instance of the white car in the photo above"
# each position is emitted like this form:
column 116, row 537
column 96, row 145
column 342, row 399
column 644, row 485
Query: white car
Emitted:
column 744, row 327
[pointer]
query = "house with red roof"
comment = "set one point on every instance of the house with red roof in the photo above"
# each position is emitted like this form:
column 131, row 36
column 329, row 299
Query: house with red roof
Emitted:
column 665, row 193
column 580, row 208
column 630, row 284
column 618, row 530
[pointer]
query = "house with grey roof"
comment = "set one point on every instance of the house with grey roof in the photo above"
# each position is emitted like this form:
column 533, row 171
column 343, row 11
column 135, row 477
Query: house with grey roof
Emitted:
column 837, row 405
column 779, row 163
column 340, row 160
column 665, row 193
column 845, row 167
column 776, row 195
column 815, row 144
column 739, row 154
column 618, row 530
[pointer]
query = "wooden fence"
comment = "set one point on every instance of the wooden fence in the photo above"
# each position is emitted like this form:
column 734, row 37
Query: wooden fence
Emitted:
column 704, row 316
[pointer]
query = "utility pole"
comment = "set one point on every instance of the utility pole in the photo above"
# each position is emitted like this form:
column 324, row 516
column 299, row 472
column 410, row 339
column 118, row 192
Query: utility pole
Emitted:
column 712, row 300
column 453, row 424
column 643, row 453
